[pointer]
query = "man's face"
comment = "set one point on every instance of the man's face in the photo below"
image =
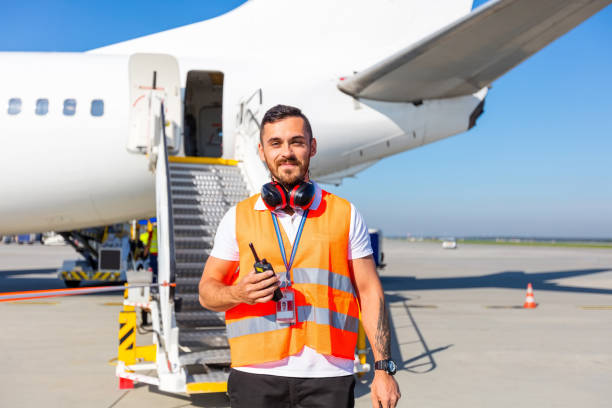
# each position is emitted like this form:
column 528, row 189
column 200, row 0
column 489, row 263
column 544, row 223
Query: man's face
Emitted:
column 287, row 150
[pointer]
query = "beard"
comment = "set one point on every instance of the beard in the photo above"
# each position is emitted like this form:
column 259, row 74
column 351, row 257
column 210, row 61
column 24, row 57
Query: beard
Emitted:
column 289, row 178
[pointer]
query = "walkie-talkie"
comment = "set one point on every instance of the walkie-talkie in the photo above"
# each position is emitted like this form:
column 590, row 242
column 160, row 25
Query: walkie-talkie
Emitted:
column 262, row 266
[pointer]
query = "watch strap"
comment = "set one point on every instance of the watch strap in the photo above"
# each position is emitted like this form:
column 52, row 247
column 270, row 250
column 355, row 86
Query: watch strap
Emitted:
column 388, row 366
column 381, row 365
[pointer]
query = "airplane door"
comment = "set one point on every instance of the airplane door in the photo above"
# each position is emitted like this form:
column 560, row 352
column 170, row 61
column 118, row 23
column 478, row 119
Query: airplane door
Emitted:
column 154, row 79
column 210, row 132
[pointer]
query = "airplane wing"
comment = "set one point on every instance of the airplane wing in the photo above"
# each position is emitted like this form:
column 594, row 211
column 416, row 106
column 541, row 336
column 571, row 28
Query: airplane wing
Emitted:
column 472, row 52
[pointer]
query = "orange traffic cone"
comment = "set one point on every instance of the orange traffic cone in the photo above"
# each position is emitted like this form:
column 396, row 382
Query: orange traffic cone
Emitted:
column 529, row 300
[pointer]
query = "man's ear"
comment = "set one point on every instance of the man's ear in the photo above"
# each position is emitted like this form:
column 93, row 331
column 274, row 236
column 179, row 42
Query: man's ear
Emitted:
column 313, row 147
column 261, row 152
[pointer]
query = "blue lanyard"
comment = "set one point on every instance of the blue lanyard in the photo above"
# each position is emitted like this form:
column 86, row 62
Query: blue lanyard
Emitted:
column 295, row 244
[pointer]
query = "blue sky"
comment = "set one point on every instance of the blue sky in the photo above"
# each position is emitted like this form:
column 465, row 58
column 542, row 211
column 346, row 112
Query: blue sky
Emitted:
column 538, row 163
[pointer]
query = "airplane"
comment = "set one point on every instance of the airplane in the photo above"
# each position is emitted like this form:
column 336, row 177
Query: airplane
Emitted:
column 125, row 131
column 375, row 81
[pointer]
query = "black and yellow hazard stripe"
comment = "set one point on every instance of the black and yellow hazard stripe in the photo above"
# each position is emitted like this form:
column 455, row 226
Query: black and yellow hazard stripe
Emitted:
column 79, row 275
column 106, row 276
column 76, row 275
column 127, row 337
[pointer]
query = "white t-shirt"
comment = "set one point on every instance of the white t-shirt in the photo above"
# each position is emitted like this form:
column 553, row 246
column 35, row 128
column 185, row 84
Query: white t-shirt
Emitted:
column 307, row 363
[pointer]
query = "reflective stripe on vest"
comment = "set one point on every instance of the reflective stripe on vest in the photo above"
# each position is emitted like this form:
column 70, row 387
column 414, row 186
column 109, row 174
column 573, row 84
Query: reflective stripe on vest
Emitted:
column 322, row 277
column 327, row 308
column 306, row 313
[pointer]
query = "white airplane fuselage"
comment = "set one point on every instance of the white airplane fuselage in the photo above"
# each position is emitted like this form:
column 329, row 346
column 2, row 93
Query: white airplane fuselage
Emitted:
column 62, row 172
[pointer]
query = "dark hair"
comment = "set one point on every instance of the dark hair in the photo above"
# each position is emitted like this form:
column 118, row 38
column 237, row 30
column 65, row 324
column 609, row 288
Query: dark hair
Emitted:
column 280, row 112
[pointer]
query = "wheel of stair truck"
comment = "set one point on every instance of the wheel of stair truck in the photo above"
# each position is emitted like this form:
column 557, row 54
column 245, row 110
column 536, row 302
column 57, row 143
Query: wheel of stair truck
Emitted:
column 72, row 283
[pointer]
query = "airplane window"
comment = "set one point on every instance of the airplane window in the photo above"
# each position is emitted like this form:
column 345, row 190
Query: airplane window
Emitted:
column 97, row 107
column 69, row 107
column 42, row 106
column 14, row 106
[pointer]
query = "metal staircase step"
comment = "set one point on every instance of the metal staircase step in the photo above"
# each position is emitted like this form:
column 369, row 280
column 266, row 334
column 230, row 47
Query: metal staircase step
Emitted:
column 223, row 171
column 201, row 190
column 195, row 272
column 210, row 338
column 190, row 265
column 187, row 280
column 197, row 209
column 196, row 238
column 200, row 201
column 208, row 181
column 181, row 243
column 203, row 318
column 215, row 356
column 191, row 251
column 193, row 231
column 187, row 284
column 204, row 179
column 193, row 219
column 213, row 376
column 188, row 302
column 195, row 171
column 185, row 289
column 190, row 255
column 182, row 183
column 191, row 181
column 189, row 270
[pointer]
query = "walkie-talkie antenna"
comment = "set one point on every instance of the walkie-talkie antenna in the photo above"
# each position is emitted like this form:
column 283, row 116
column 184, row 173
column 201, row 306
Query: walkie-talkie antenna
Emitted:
column 254, row 253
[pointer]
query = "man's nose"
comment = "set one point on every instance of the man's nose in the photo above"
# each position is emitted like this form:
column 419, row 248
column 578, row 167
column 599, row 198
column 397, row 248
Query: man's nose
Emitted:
column 286, row 150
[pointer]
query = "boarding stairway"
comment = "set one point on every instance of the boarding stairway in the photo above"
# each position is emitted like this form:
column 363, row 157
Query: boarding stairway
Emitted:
column 200, row 195
column 190, row 352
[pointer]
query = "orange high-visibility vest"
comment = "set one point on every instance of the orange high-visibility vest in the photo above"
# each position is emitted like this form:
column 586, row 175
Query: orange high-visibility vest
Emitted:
column 326, row 304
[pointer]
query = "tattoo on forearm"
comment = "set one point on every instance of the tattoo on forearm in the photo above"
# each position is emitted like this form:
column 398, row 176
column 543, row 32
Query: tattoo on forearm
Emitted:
column 383, row 335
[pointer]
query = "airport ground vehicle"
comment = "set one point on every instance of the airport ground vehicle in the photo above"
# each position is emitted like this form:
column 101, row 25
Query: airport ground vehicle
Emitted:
column 25, row 239
column 107, row 252
column 376, row 237
column 449, row 243
column 51, row 238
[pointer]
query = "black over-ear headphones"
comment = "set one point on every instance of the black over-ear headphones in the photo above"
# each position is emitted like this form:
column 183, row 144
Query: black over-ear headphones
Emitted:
column 275, row 196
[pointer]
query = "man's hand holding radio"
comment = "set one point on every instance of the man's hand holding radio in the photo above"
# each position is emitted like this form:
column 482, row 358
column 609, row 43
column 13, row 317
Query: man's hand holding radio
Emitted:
column 255, row 287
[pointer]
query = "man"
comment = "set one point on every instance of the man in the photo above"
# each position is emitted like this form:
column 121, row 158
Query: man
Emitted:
column 149, row 239
column 298, row 351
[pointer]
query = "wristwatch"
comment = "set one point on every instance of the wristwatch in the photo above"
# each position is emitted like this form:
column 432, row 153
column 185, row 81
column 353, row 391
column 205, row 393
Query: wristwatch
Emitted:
column 387, row 365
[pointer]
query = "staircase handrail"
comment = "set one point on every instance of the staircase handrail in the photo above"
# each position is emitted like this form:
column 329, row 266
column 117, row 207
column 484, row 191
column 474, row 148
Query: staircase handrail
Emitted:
column 163, row 154
column 166, row 258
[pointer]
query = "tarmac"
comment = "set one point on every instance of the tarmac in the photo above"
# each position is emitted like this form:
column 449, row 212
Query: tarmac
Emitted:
column 460, row 335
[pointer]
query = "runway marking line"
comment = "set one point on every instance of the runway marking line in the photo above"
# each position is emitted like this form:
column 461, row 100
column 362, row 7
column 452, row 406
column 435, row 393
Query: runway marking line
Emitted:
column 597, row 307
column 503, row 307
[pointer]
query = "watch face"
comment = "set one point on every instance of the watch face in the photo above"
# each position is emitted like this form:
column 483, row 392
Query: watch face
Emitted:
column 391, row 367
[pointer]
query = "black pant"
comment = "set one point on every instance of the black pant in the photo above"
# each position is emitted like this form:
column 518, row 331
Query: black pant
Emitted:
column 248, row 390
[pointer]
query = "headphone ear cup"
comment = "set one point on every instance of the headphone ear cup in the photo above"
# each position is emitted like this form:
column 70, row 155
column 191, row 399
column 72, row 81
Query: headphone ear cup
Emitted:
column 302, row 195
column 273, row 196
